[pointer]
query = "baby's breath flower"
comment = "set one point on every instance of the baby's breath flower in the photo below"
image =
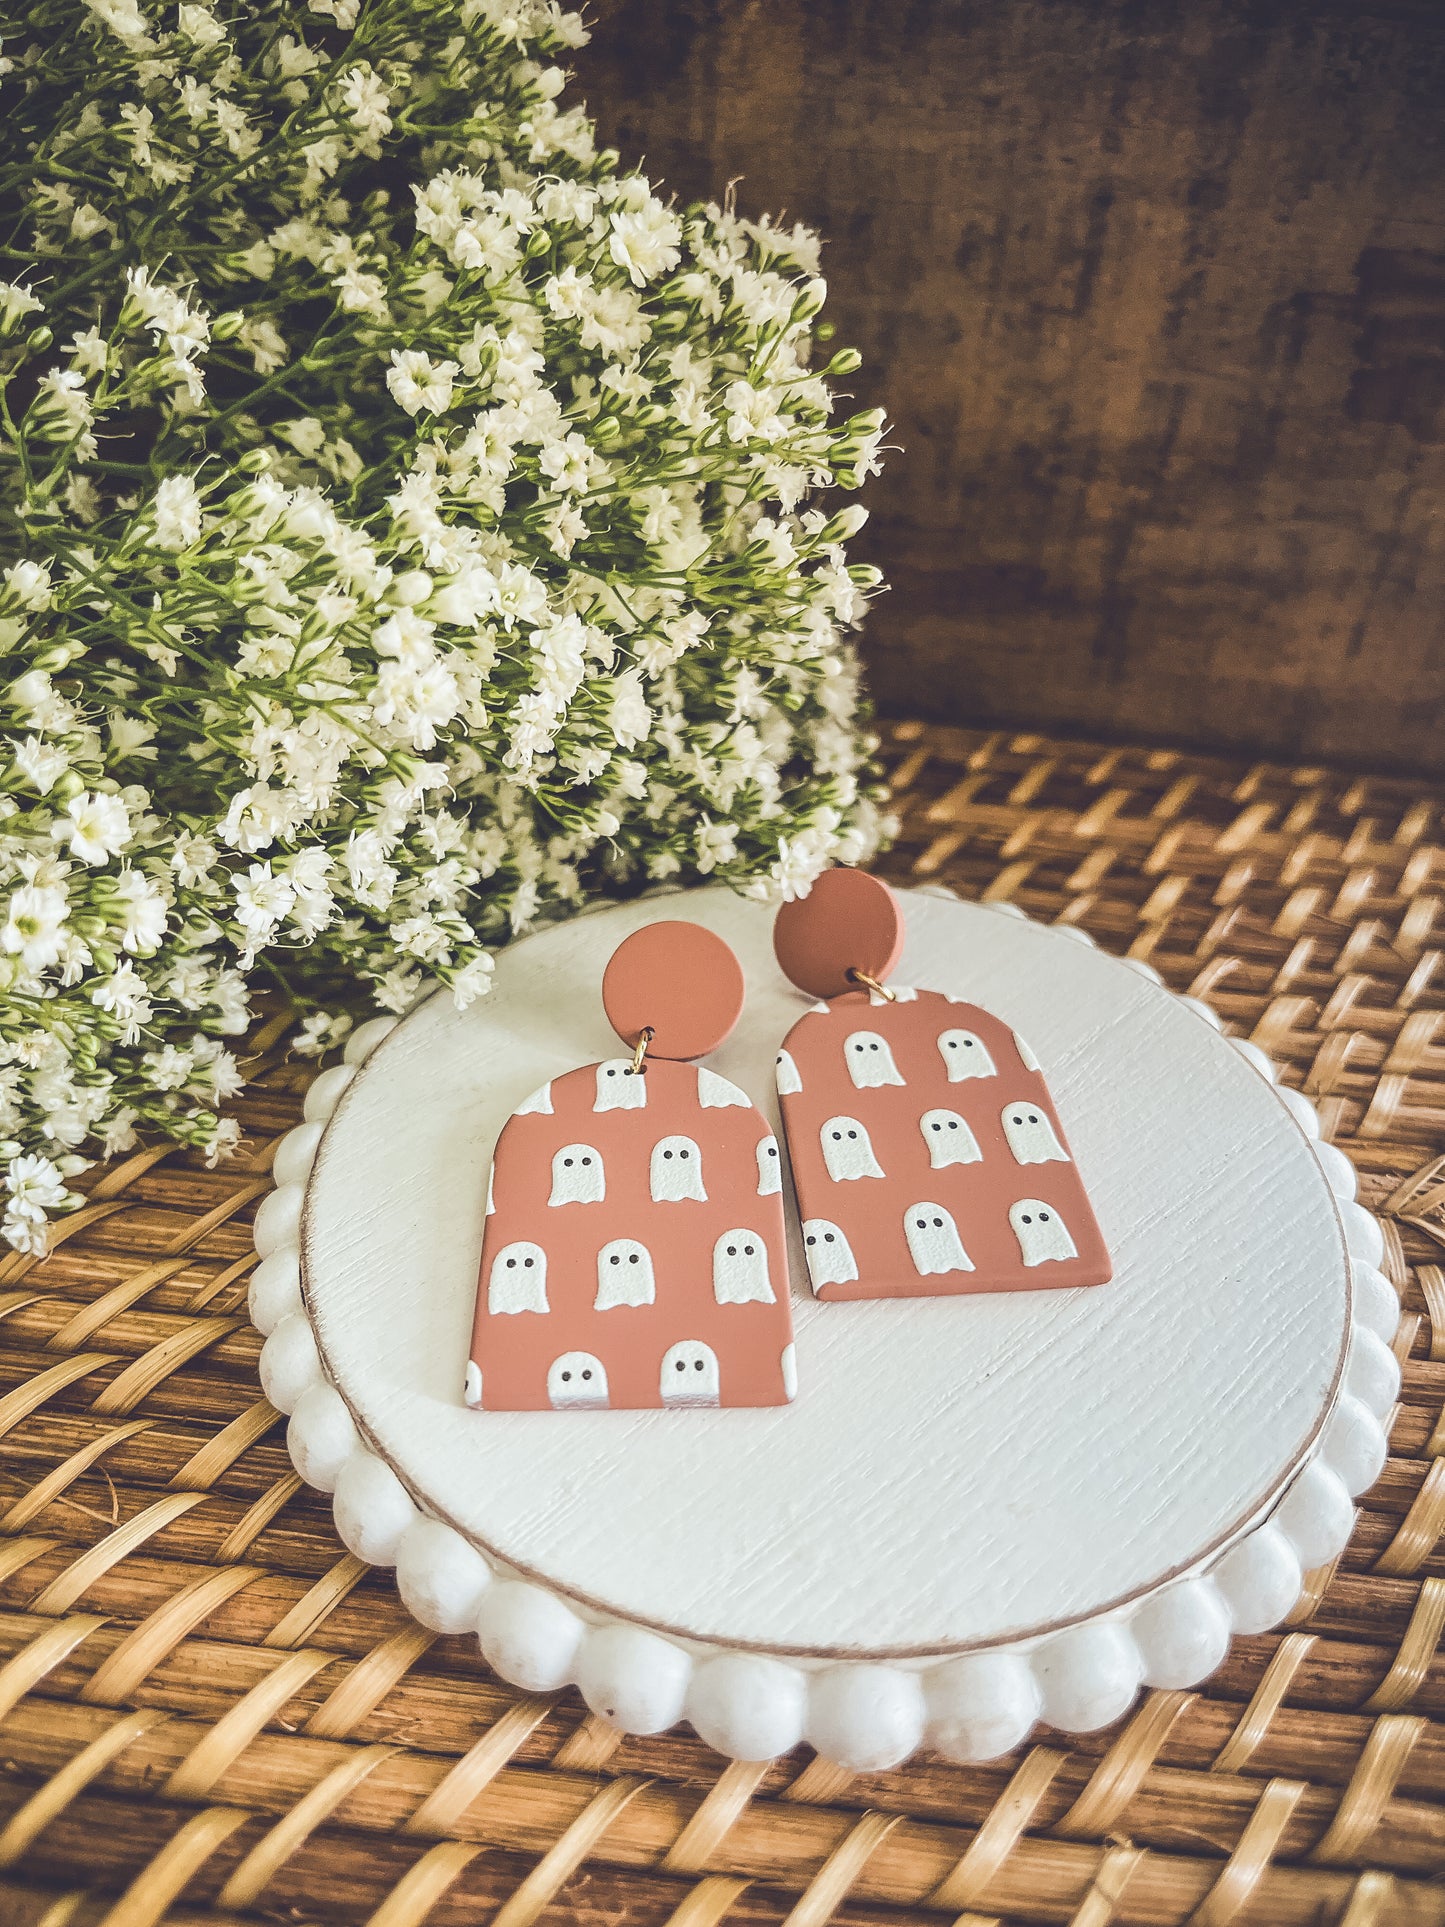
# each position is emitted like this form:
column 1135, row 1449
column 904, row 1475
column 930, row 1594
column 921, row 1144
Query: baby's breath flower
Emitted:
column 439, row 551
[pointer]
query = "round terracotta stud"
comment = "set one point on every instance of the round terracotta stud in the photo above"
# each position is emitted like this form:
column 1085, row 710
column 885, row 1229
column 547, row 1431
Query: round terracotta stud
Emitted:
column 680, row 981
column 848, row 921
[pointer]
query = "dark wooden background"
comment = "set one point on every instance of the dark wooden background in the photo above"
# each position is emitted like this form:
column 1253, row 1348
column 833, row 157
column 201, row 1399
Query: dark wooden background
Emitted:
column 1154, row 292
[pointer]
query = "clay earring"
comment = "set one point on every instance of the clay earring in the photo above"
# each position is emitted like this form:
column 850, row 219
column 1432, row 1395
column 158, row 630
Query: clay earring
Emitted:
column 927, row 1155
column 634, row 1254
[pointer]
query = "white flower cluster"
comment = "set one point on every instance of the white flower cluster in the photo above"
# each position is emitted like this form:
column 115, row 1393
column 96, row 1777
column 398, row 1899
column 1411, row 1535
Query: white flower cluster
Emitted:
column 406, row 525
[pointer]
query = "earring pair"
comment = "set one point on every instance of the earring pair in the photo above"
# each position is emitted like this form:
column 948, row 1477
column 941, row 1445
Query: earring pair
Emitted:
column 634, row 1252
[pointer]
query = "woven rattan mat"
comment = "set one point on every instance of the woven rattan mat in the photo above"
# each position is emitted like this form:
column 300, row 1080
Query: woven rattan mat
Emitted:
column 211, row 1713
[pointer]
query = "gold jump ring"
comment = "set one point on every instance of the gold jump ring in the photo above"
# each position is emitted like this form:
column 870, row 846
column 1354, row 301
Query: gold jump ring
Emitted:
column 871, row 983
column 645, row 1037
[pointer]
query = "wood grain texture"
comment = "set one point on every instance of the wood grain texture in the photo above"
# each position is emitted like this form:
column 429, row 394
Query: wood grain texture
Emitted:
column 1155, row 296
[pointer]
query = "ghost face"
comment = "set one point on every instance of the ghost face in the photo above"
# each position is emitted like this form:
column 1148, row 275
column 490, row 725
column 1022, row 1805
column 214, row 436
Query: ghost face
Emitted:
column 676, row 1171
column 830, row 1256
column 770, row 1167
column 933, row 1241
column 964, row 1055
column 949, row 1139
column 577, row 1382
column 618, row 1089
column 689, row 1375
column 624, row 1275
column 577, row 1176
column 539, row 1104
column 740, row 1270
column 1041, row 1232
column 1031, row 1136
column 869, row 1060
column 716, row 1093
column 518, row 1279
column 788, row 1081
column 847, row 1150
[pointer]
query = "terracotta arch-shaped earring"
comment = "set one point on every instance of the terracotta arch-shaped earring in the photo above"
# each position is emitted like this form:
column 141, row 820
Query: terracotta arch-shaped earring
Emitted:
column 634, row 1254
column 927, row 1153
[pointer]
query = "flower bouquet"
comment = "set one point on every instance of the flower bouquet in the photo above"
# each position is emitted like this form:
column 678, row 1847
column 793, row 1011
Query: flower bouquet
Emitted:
column 407, row 528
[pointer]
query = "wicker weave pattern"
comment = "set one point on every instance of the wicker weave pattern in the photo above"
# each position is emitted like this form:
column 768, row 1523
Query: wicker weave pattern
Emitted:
column 210, row 1713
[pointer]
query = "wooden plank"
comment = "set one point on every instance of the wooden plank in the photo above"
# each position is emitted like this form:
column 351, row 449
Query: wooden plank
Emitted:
column 1156, row 298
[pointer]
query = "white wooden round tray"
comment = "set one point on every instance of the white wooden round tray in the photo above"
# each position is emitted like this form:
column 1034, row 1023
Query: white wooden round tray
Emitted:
column 979, row 1512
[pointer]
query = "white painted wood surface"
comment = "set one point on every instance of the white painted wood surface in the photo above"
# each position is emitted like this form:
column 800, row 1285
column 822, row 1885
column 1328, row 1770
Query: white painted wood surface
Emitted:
column 954, row 1472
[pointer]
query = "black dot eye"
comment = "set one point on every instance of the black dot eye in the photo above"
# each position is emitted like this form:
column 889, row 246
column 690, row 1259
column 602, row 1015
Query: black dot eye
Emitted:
column 938, row 1222
column 586, row 1160
column 747, row 1251
column 1033, row 1117
column 511, row 1264
column 837, row 1135
column 566, row 1378
column 587, row 1374
column 667, row 1154
column 528, row 1263
column 632, row 1258
column 568, row 1163
column 935, row 1127
column 852, row 1134
column 827, row 1238
column 922, row 1223
column 681, row 1365
column 614, row 1259
column 811, row 1239
column 682, row 1154
column 732, row 1251
column 953, row 1124
column 1027, row 1218
column 968, row 1043
column 697, row 1364
column 1043, row 1217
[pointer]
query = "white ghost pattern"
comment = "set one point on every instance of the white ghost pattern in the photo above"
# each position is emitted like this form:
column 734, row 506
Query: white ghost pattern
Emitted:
column 1031, row 1136
column 869, row 1060
column 716, row 1093
column 577, row 1175
column 624, row 1275
column 577, row 1381
column 617, row 1087
column 829, row 1254
column 788, row 1081
column 933, row 1241
column 789, row 1362
column 949, row 1139
column 1026, row 1055
column 517, row 1280
column 472, row 1394
column 690, row 1375
column 770, row 1167
column 740, row 1270
column 1041, row 1232
column 675, row 1171
column 964, row 1055
column 539, row 1104
column 848, row 1150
